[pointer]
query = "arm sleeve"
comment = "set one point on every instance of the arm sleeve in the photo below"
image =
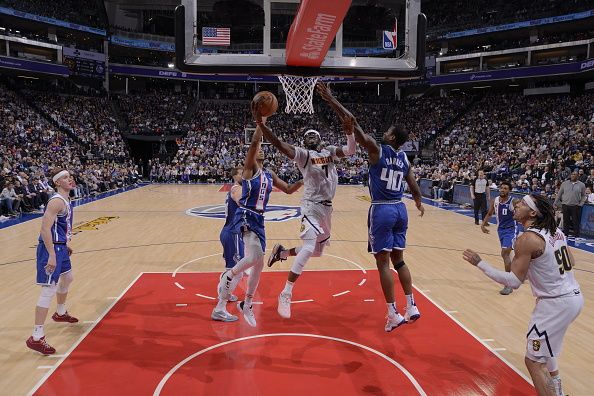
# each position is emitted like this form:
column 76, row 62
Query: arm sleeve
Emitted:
column 351, row 145
column 505, row 278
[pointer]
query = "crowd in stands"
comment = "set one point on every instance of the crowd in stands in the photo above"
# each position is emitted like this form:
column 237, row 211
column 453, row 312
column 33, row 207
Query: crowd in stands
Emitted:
column 458, row 15
column 534, row 142
column 32, row 146
column 155, row 112
column 83, row 12
column 89, row 119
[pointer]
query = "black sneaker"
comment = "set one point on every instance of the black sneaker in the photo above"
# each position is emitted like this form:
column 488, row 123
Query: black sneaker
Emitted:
column 276, row 254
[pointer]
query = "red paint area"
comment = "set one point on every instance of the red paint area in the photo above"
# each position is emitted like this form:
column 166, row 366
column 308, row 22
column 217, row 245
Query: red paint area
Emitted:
column 145, row 335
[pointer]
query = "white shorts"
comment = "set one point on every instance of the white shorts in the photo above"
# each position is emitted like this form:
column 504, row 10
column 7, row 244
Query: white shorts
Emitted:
column 318, row 218
column 550, row 319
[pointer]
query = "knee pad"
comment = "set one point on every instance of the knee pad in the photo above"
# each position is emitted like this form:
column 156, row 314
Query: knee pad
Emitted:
column 64, row 282
column 306, row 251
column 399, row 265
column 46, row 296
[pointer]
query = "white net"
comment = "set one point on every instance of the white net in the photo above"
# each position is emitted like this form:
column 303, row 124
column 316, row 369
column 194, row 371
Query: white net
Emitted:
column 299, row 91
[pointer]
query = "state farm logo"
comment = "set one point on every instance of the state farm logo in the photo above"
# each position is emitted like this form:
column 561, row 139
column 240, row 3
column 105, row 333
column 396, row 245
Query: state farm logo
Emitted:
column 317, row 36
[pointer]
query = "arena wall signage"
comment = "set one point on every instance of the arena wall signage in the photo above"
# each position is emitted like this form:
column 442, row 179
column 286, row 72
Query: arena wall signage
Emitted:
column 51, row 21
column 146, row 44
column 520, row 72
column 39, row 67
column 519, row 25
column 173, row 74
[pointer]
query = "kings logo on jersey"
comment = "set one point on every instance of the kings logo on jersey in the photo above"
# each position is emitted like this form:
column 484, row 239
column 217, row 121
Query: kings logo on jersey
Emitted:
column 273, row 212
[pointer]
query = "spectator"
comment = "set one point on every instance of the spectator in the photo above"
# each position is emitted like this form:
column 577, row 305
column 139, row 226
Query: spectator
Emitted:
column 571, row 198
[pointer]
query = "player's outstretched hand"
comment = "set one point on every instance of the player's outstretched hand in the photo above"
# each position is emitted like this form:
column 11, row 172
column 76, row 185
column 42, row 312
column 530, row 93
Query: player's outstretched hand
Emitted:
column 256, row 108
column 484, row 229
column 324, row 91
column 471, row 256
column 421, row 209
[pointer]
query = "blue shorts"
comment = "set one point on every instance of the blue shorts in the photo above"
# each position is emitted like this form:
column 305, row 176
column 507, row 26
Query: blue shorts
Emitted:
column 506, row 237
column 62, row 264
column 387, row 225
column 233, row 250
column 246, row 220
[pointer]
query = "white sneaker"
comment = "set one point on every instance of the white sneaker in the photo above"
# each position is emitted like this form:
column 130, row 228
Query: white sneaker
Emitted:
column 284, row 305
column 248, row 313
column 224, row 286
column 223, row 316
column 412, row 313
column 394, row 321
column 558, row 386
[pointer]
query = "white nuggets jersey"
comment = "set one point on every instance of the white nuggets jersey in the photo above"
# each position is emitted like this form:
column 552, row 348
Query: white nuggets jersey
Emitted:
column 551, row 274
column 319, row 173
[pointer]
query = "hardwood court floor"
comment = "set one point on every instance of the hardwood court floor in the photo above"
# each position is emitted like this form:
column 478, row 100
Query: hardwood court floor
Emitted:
column 148, row 230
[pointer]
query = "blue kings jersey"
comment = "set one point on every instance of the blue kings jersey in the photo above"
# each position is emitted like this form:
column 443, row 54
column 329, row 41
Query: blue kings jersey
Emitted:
column 504, row 212
column 230, row 207
column 62, row 227
column 255, row 192
column 387, row 176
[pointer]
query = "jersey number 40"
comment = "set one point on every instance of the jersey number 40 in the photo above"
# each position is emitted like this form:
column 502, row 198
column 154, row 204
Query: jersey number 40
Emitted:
column 393, row 178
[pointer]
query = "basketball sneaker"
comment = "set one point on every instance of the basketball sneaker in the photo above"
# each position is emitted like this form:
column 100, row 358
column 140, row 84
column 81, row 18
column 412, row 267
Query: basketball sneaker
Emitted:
column 412, row 313
column 64, row 318
column 394, row 321
column 276, row 254
column 248, row 313
column 224, row 286
column 223, row 316
column 284, row 305
column 558, row 386
column 40, row 346
column 506, row 290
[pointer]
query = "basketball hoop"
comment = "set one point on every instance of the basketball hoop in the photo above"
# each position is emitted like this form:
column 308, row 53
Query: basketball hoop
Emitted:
column 299, row 91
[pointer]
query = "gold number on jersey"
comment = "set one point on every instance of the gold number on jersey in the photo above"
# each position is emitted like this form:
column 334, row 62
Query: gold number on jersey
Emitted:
column 563, row 260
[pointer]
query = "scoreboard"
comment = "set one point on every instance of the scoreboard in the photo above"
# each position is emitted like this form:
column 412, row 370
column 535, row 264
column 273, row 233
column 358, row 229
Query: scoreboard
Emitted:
column 84, row 63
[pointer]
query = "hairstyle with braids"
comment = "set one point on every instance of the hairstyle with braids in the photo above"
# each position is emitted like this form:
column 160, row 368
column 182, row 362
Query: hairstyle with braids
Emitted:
column 547, row 220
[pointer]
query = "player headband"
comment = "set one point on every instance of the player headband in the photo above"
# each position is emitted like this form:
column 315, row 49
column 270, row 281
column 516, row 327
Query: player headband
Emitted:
column 312, row 131
column 59, row 175
column 530, row 202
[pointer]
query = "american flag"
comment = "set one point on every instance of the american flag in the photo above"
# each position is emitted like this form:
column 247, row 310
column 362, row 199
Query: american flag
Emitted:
column 216, row 36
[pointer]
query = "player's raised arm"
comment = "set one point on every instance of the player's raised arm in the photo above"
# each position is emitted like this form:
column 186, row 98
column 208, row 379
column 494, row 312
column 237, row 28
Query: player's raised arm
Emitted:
column 283, row 147
column 249, row 164
column 347, row 120
column 283, row 185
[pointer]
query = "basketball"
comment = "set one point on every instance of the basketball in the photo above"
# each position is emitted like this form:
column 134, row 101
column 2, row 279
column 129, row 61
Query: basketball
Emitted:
column 270, row 103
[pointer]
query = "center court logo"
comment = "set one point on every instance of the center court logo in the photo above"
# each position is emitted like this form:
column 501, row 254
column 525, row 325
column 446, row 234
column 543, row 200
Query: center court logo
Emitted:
column 273, row 212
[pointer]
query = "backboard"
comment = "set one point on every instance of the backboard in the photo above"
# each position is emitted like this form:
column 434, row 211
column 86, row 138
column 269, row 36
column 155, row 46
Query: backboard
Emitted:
column 374, row 38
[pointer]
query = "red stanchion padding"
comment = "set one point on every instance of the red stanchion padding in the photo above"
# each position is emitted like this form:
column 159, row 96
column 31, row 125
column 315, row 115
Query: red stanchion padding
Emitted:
column 313, row 31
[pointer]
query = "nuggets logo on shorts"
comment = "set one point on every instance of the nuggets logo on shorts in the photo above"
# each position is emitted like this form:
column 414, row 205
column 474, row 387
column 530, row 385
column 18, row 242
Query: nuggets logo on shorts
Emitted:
column 302, row 227
column 273, row 212
column 536, row 345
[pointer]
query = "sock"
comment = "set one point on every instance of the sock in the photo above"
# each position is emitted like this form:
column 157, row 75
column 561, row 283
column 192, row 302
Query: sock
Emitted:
column 284, row 254
column 61, row 309
column 248, row 300
column 392, row 309
column 410, row 301
column 38, row 332
column 221, row 304
column 288, row 288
